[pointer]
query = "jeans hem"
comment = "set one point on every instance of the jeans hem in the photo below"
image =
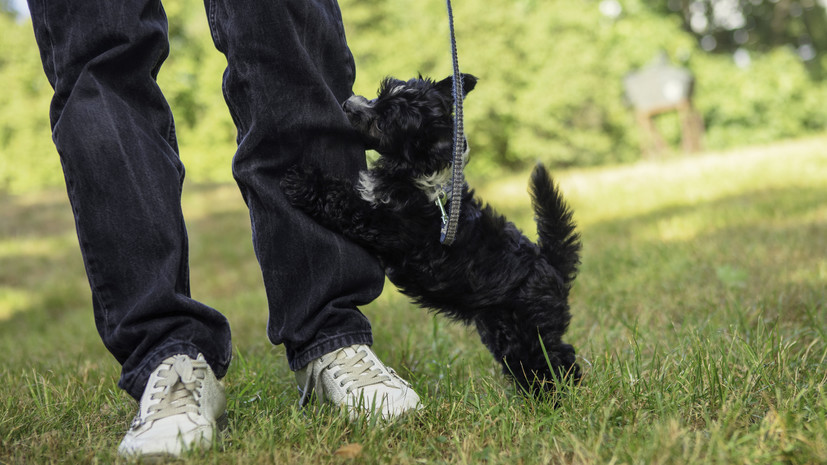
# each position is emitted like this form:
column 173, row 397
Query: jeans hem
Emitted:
column 326, row 346
column 134, row 383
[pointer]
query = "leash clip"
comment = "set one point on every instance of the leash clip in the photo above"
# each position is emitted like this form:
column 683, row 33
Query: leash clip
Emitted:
column 442, row 199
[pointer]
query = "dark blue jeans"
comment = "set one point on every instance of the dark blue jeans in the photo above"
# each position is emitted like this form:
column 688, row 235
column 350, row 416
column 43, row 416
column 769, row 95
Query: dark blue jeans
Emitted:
column 289, row 69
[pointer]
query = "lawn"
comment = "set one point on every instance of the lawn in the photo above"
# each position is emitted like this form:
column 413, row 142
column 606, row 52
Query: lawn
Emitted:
column 699, row 315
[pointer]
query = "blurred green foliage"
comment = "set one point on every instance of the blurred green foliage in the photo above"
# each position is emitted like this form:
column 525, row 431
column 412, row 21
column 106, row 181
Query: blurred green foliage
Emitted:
column 550, row 82
column 727, row 26
column 27, row 155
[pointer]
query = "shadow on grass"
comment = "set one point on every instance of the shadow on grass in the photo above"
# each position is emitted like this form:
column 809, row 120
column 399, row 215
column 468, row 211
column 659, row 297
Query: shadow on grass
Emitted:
column 763, row 248
column 42, row 276
column 763, row 252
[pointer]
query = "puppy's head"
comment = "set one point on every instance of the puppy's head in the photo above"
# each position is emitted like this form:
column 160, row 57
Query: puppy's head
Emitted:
column 409, row 122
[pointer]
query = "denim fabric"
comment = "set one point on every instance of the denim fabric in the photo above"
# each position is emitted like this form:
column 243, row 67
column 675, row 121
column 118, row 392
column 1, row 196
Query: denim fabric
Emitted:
column 288, row 70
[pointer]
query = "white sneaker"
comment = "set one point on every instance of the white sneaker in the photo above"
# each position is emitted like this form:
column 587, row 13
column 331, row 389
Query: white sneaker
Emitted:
column 181, row 407
column 355, row 379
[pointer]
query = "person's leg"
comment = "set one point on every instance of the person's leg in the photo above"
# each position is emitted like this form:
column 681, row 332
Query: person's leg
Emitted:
column 289, row 69
column 115, row 135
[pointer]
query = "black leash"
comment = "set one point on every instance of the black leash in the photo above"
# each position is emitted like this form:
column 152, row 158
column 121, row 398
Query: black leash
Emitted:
column 449, row 225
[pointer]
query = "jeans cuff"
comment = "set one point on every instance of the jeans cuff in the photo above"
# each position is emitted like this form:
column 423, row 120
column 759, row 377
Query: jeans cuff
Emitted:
column 301, row 359
column 134, row 381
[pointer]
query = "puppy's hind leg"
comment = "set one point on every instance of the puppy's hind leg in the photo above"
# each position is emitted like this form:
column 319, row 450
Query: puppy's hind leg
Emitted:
column 528, row 352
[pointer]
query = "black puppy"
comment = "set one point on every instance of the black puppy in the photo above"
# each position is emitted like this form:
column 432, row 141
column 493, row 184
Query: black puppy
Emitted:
column 514, row 291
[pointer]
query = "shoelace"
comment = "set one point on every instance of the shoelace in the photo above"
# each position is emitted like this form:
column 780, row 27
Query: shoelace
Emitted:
column 351, row 369
column 356, row 372
column 181, row 382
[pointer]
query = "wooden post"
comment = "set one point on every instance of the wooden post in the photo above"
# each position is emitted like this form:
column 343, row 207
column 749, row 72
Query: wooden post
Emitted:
column 661, row 88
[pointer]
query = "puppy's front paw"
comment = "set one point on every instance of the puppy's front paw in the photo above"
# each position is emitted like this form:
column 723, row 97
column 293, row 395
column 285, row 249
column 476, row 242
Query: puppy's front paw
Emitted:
column 296, row 185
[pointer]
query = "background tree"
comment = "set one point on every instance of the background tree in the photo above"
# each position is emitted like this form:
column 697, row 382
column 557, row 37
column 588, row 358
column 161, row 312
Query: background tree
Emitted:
column 730, row 26
column 550, row 74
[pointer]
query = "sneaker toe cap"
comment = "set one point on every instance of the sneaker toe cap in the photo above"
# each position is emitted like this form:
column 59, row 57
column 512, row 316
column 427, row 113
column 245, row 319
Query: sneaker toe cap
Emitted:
column 167, row 439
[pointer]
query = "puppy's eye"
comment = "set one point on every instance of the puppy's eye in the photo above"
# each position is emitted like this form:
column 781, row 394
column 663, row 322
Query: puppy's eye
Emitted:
column 379, row 125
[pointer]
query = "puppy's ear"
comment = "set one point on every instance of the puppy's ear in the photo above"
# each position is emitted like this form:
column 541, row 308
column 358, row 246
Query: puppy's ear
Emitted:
column 445, row 86
column 469, row 81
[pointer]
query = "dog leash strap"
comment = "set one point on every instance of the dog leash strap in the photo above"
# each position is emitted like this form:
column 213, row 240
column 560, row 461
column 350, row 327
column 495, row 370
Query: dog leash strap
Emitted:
column 449, row 228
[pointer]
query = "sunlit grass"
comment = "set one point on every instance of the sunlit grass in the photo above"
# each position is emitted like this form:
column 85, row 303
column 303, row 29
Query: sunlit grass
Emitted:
column 13, row 300
column 699, row 319
column 602, row 194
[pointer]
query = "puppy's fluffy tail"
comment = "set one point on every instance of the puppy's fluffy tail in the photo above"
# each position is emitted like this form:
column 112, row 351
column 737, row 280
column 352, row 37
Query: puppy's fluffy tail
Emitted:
column 558, row 240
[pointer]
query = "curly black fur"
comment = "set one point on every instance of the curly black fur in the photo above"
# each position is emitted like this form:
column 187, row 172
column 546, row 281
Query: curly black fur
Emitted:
column 514, row 291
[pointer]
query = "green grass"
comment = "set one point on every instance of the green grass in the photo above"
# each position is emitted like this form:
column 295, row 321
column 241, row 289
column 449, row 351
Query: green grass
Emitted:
column 699, row 317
